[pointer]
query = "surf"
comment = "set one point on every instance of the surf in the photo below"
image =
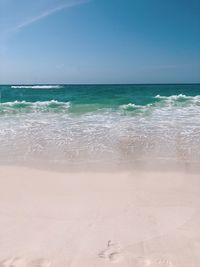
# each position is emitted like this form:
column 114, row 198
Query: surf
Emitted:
column 36, row 86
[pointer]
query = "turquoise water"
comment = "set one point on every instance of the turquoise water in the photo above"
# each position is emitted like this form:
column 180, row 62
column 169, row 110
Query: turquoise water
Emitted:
column 89, row 98
column 68, row 124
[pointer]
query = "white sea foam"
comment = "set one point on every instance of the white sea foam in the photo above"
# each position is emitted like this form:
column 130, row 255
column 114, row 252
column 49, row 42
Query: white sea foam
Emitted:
column 130, row 106
column 180, row 99
column 36, row 86
column 165, row 132
column 37, row 103
column 175, row 97
column 39, row 106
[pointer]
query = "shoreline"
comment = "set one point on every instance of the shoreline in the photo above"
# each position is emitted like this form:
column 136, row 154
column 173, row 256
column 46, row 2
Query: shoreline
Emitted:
column 140, row 165
column 128, row 218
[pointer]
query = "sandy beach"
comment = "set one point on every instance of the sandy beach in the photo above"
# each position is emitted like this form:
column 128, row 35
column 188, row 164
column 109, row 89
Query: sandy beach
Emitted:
column 99, row 133
column 96, row 219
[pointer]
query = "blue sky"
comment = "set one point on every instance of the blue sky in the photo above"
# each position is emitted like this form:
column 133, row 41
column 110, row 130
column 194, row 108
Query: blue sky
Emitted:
column 99, row 41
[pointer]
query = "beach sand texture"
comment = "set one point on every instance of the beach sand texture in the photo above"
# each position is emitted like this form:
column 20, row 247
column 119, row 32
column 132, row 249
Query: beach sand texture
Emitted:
column 94, row 219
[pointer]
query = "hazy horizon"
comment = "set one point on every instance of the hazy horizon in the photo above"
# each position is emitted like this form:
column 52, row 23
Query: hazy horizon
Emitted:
column 43, row 83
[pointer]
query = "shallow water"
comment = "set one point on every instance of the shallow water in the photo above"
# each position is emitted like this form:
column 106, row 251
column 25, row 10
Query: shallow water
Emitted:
column 115, row 124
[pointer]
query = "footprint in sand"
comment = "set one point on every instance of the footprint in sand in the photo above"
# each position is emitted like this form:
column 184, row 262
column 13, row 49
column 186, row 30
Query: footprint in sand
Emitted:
column 111, row 253
column 164, row 262
column 40, row 263
column 14, row 262
column 142, row 262
column 22, row 262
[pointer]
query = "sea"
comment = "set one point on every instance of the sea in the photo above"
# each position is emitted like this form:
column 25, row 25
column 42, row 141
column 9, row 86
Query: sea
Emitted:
column 116, row 126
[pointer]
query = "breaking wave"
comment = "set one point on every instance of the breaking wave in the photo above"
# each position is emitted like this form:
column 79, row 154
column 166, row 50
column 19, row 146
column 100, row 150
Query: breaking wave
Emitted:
column 36, row 86
column 162, row 102
column 33, row 107
column 130, row 107
column 53, row 106
column 129, row 125
column 179, row 99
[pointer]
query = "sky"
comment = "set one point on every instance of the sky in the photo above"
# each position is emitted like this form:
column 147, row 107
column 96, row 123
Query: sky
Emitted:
column 99, row 41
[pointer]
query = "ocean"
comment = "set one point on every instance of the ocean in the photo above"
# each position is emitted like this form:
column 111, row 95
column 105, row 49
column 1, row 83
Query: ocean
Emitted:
column 116, row 125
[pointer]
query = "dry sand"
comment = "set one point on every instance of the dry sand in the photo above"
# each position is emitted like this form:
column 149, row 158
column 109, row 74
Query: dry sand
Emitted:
column 134, row 219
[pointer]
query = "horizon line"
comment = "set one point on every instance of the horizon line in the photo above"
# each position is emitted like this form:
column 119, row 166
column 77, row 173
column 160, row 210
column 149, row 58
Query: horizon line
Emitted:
column 170, row 83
